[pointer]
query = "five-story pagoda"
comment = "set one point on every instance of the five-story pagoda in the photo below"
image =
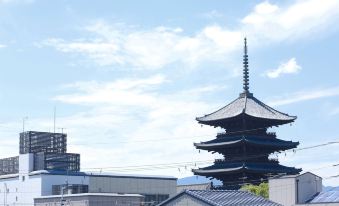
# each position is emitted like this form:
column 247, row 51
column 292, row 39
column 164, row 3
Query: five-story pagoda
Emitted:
column 245, row 144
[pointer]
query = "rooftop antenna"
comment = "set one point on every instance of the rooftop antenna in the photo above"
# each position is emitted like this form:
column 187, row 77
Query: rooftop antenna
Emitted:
column 245, row 70
column 23, row 123
column 62, row 129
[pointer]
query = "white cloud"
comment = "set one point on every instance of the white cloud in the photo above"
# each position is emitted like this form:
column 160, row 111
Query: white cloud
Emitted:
column 123, row 45
column 301, row 19
column 150, row 49
column 304, row 96
column 127, row 121
column 3, row 46
column 131, row 117
column 121, row 92
column 289, row 67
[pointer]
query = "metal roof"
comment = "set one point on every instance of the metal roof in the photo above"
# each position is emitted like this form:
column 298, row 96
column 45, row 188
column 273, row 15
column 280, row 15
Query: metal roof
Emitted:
column 7, row 176
column 224, row 198
column 246, row 103
column 96, row 174
column 327, row 196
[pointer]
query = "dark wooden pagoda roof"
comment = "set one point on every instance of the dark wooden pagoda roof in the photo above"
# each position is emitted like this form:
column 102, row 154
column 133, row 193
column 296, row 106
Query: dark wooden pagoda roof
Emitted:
column 249, row 105
column 251, row 140
column 230, row 168
column 246, row 104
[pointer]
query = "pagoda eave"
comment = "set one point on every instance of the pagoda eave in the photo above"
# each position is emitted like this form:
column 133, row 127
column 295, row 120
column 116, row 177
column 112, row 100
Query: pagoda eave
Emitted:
column 246, row 106
column 274, row 144
column 274, row 169
column 229, row 122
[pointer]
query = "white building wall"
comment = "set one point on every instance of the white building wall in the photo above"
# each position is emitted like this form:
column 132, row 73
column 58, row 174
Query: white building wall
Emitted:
column 282, row 191
column 19, row 191
column 308, row 185
column 22, row 188
column 295, row 190
column 26, row 163
column 91, row 200
column 22, row 191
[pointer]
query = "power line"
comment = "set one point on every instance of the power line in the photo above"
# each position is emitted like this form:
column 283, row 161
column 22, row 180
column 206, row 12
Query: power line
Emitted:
column 174, row 164
column 194, row 163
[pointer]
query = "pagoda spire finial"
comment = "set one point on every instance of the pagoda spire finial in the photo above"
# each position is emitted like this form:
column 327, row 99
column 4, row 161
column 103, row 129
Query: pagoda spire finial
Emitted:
column 245, row 69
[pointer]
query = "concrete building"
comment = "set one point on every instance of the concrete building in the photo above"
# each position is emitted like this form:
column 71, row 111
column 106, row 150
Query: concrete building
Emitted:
column 23, row 187
column 91, row 199
column 44, row 171
column 301, row 190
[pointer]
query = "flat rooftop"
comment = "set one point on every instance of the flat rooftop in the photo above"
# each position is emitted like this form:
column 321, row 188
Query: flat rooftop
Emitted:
column 91, row 194
column 102, row 174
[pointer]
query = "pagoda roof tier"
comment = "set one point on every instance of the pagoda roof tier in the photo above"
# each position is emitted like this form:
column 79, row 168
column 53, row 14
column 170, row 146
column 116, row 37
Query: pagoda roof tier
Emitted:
column 243, row 167
column 247, row 107
column 221, row 143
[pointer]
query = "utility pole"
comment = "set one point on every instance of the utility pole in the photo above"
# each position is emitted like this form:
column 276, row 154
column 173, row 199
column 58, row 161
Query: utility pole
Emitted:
column 54, row 119
column 62, row 196
column 62, row 200
column 5, row 194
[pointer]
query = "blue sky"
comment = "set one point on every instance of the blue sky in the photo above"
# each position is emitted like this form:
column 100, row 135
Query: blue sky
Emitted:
column 128, row 78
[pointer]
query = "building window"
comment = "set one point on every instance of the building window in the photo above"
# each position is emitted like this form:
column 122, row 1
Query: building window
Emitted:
column 23, row 178
column 16, row 198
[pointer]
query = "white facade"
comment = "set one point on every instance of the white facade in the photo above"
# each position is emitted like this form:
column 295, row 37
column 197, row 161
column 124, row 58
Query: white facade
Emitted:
column 16, row 188
column 22, row 188
column 91, row 199
column 296, row 190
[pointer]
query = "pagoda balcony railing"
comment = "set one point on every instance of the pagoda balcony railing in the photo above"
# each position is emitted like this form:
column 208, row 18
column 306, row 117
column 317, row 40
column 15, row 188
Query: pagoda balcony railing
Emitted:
column 270, row 160
column 225, row 134
column 221, row 134
column 219, row 160
column 273, row 159
column 272, row 134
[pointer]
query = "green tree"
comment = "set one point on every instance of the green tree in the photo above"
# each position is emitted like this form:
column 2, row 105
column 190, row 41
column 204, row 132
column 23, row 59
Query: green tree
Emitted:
column 261, row 190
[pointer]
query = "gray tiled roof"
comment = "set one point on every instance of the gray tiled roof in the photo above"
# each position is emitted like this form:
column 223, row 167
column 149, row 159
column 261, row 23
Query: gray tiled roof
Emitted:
column 249, row 105
column 327, row 196
column 225, row 198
